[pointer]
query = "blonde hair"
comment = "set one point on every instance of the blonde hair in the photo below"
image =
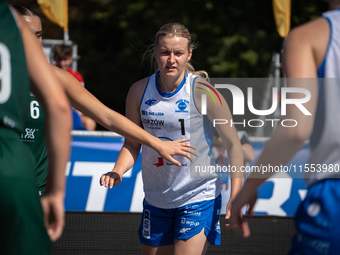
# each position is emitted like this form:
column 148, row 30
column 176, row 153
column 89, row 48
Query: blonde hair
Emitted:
column 177, row 29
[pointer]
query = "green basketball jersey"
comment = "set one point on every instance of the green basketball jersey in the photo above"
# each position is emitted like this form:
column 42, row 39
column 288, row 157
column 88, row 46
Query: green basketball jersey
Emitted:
column 14, row 82
column 22, row 228
column 34, row 137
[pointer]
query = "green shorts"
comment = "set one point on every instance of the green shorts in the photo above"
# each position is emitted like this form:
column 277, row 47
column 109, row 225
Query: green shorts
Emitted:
column 22, row 228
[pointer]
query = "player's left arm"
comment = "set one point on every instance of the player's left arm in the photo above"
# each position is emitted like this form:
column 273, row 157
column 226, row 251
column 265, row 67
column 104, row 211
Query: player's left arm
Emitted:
column 217, row 108
column 57, row 125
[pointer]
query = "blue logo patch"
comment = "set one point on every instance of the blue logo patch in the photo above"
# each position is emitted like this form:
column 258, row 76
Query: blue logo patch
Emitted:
column 182, row 105
column 151, row 102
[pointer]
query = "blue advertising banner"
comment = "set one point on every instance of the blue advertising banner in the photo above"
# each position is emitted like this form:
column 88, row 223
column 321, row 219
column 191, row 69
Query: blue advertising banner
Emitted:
column 94, row 155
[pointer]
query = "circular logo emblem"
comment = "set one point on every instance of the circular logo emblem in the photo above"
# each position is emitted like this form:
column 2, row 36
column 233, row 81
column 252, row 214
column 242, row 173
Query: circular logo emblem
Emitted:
column 182, row 106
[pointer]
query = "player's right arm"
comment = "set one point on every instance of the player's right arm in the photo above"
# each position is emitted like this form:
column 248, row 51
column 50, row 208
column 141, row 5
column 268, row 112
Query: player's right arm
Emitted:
column 301, row 53
column 130, row 150
column 58, row 126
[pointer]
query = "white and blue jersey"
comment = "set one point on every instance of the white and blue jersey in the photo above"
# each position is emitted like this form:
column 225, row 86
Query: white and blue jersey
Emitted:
column 173, row 116
column 325, row 139
column 317, row 217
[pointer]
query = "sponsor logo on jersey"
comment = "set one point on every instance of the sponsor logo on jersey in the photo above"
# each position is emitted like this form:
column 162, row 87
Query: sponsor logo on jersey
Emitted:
column 160, row 162
column 192, row 223
column 171, row 164
column 29, row 133
column 191, row 206
column 146, row 225
column 152, row 113
column 184, row 230
column 190, row 212
column 182, row 105
column 217, row 227
column 152, row 122
column 151, row 102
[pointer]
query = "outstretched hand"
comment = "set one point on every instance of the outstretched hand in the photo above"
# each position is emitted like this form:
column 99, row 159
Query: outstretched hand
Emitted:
column 53, row 208
column 168, row 149
column 110, row 179
column 236, row 216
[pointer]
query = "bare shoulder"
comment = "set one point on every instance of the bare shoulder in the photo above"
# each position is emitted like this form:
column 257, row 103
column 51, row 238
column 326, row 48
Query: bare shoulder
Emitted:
column 310, row 31
column 137, row 90
column 308, row 41
column 203, row 84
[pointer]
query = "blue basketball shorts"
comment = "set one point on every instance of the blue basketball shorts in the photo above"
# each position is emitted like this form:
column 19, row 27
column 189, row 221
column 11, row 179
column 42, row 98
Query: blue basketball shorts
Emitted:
column 318, row 219
column 160, row 227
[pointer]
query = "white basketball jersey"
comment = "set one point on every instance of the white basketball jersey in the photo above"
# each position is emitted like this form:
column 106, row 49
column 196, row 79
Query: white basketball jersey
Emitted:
column 173, row 116
column 325, row 140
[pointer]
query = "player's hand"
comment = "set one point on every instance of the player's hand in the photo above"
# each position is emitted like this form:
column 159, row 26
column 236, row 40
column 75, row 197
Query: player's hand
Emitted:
column 110, row 179
column 236, row 218
column 228, row 214
column 168, row 149
column 53, row 208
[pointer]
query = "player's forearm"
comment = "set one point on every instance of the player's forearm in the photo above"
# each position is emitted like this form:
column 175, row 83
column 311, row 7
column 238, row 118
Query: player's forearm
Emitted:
column 236, row 185
column 236, row 161
column 248, row 153
column 58, row 126
column 235, row 157
column 125, row 127
column 278, row 151
column 126, row 159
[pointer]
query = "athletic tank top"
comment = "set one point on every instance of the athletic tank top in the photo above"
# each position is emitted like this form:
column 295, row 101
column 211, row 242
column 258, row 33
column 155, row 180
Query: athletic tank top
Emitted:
column 34, row 137
column 14, row 82
column 325, row 139
column 173, row 116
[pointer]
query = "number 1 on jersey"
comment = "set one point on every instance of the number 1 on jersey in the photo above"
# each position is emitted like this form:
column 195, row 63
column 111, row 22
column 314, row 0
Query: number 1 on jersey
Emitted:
column 182, row 126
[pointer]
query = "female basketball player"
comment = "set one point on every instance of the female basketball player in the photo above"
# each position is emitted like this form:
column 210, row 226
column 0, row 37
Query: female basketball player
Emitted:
column 22, row 228
column 182, row 204
column 85, row 102
column 310, row 61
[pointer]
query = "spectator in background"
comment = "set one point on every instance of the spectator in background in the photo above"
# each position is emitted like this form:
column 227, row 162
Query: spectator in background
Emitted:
column 63, row 57
column 220, row 155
